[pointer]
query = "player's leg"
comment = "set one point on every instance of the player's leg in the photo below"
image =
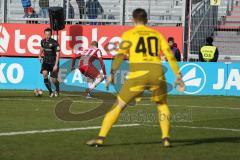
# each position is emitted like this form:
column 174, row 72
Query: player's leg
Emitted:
column 54, row 78
column 164, row 120
column 83, row 70
column 44, row 71
column 109, row 120
column 112, row 117
column 160, row 97
column 96, row 82
column 93, row 73
column 56, row 84
column 46, row 81
column 89, row 82
column 124, row 97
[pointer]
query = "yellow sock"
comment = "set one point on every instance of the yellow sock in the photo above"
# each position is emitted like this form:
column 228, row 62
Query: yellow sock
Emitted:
column 110, row 118
column 164, row 120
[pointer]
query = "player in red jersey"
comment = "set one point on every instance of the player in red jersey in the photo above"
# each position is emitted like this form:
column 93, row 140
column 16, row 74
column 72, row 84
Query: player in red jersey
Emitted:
column 88, row 68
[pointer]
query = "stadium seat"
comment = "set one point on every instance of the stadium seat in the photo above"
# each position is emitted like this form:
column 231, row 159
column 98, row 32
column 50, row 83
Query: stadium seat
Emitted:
column 159, row 10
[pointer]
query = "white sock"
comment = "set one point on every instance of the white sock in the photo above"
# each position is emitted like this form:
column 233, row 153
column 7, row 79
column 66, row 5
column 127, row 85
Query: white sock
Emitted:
column 95, row 83
column 90, row 85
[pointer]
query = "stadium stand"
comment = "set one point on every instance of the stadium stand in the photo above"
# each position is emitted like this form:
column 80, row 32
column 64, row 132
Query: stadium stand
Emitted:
column 227, row 36
column 164, row 11
column 221, row 22
column 15, row 9
column 1, row 10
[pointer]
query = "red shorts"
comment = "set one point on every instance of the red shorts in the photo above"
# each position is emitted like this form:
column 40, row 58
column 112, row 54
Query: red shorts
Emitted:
column 89, row 71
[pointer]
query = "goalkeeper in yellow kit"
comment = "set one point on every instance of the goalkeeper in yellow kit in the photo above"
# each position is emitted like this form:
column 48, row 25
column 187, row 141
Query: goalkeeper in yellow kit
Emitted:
column 142, row 45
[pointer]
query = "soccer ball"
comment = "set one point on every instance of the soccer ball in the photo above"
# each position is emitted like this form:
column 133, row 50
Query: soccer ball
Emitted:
column 38, row 92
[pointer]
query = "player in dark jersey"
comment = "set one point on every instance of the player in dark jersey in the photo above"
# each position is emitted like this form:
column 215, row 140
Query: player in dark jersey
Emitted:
column 88, row 68
column 50, row 61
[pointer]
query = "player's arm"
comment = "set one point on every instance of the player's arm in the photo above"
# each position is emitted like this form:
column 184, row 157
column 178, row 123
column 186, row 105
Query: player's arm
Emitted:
column 57, row 58
column 122, row 52
column 41, row 52
column 115, row 65
column 101, row 62
column 57, row 48
column 172, row 62
column 74, row 58
column 118, row 59
column 169, row 55
column 73, row 63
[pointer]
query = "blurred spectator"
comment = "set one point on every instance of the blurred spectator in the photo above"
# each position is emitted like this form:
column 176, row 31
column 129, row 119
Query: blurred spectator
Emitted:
column 81, row 8
column 93, row 8
column 174, row 48
column 209, row 52
column 31, row 14
column 44, row 5
column 26, row 4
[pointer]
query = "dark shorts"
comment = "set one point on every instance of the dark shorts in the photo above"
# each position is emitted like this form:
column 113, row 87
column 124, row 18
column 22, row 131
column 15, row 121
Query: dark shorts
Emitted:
column 90, row 71
column 49, row 68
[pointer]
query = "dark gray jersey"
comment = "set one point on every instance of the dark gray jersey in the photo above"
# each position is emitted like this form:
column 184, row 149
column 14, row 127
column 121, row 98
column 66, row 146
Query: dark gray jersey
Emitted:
column 50, row 48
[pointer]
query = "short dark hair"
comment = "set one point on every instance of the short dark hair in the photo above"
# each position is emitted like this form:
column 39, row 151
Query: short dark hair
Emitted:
column 140, row 15
column 209, row 40
column 171, row 39
column 48, row 30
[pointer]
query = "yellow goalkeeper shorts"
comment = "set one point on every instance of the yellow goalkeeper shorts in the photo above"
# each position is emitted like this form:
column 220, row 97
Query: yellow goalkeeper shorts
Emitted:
column 144, row 77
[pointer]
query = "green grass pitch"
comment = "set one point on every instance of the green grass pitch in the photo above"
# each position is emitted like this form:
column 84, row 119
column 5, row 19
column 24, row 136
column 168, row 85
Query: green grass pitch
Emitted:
column 203, row 128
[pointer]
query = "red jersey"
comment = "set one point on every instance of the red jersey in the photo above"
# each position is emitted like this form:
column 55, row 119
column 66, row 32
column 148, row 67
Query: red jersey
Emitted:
column 88, row 56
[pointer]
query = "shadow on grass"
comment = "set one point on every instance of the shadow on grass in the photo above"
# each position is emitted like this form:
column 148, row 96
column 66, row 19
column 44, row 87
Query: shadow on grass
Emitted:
column 184, row 142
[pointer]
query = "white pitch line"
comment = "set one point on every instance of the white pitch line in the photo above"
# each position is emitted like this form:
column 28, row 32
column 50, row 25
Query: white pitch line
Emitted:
column 195, row 127
column 209, row 107
column 62, row 130
column 115, row 126
column 45, row 100
column 25, row 99
column 209, row 128
column 142, row 104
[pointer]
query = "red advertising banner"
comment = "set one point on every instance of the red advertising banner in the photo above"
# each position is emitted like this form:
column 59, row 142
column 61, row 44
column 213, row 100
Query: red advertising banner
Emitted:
column 24, row 39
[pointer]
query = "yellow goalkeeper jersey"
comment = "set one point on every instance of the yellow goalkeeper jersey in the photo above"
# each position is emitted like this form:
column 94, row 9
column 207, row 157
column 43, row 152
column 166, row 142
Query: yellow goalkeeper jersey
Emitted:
column 144, row 44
